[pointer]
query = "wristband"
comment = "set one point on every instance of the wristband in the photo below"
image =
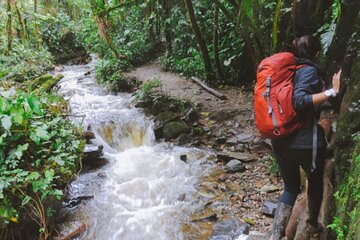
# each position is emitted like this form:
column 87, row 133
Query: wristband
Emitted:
column 330, row 93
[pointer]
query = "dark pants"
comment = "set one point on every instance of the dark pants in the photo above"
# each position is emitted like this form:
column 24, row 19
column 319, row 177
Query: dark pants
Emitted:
column 289, row 161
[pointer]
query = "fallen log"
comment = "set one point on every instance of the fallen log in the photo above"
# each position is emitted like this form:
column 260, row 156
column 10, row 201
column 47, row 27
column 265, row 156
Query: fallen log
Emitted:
column 209, row 89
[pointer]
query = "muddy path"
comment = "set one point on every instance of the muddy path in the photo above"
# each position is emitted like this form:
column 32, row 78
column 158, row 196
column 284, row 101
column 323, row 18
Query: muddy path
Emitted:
column 240, row 195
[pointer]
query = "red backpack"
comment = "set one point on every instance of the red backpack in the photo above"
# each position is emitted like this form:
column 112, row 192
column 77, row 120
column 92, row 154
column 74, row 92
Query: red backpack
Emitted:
column 275, row 116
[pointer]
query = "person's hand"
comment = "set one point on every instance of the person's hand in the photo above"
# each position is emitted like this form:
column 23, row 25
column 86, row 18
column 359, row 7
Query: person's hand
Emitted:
column 336, row 81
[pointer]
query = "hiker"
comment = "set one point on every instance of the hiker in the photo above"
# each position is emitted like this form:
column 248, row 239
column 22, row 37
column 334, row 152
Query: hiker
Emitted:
column 297, row 149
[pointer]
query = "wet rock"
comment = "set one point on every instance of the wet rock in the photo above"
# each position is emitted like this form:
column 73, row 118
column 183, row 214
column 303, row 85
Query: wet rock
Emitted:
column 172, row 130
column 183, row 157
column 88, row 135
column 235, row 166
column 92, row 151
column 158, row 131
column 269, row 208
column 244, row 157
column 93, row 157
column 87, row 73
column 165, row 117
column 76, row 201
column 229, row 229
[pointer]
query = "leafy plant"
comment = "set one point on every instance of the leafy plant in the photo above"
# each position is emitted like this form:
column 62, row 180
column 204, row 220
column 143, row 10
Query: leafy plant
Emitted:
column 39, row 153
column 144, row 92
column 24, row 63
column 273, row 165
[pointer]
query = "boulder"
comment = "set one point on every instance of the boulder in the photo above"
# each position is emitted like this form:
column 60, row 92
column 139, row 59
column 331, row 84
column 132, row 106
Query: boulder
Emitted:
column 173, row 130
column 235, row 166
column 93, row 157
column 165, row 117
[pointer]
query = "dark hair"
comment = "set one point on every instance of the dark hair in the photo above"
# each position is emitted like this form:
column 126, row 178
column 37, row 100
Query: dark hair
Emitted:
column 306, row 46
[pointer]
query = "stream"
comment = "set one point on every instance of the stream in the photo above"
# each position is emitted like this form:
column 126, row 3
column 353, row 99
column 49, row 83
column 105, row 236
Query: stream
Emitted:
column 145, row 191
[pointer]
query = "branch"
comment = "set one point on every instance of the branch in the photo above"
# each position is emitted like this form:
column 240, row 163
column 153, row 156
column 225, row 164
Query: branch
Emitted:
column 226, row 12
column 106, row 11
column 208, row 89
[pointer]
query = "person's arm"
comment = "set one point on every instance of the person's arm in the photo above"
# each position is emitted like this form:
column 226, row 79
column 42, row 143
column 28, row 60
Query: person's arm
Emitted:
column 322, row 97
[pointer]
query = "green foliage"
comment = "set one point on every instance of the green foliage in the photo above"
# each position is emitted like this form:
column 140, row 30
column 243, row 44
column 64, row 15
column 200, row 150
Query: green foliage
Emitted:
column 109, row 73
column 24, row 63
column 39, row 153
column 273, row 165
column 60, row 34
column 327, row 31
column 144, row 92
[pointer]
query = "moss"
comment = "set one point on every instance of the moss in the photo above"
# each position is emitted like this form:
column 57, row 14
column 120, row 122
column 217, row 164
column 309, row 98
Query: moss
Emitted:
column 33, row 84
column 50, row 83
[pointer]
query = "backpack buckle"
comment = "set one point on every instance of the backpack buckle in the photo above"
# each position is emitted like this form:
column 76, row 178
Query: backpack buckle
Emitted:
column 276, row 132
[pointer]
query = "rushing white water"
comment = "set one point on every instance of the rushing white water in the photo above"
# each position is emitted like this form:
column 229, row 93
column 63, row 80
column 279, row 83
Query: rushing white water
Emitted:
column 146, row 191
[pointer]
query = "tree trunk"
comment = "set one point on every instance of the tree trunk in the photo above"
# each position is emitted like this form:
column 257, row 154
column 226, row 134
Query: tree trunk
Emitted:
column 349, row 11
column 103, row 27
column 9, row 35
column 308, row 15
column 150, row 19
column 200, row 40
column 167, row 5
column 24, row 35
column 216, row 44
column 36, row 25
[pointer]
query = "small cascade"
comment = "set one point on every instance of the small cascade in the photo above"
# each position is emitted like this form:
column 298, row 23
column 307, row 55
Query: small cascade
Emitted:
column 146, row 191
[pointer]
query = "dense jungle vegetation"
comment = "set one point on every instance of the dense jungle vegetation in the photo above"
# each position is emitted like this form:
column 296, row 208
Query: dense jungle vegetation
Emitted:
column 219, row 41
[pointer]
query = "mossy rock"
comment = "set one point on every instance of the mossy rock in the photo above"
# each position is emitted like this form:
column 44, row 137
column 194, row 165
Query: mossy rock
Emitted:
column 172, row 130
column 39, row 81
column 166, row 117
column 49, row 84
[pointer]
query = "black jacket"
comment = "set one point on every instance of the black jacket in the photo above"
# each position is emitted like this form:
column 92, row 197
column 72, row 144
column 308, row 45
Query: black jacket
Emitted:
column 307, row 81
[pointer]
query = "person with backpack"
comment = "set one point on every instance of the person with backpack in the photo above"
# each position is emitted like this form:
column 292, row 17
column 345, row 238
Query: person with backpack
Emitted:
column 288, row 93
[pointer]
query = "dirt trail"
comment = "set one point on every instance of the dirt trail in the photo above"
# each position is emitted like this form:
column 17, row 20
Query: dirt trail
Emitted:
column 180, row 87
